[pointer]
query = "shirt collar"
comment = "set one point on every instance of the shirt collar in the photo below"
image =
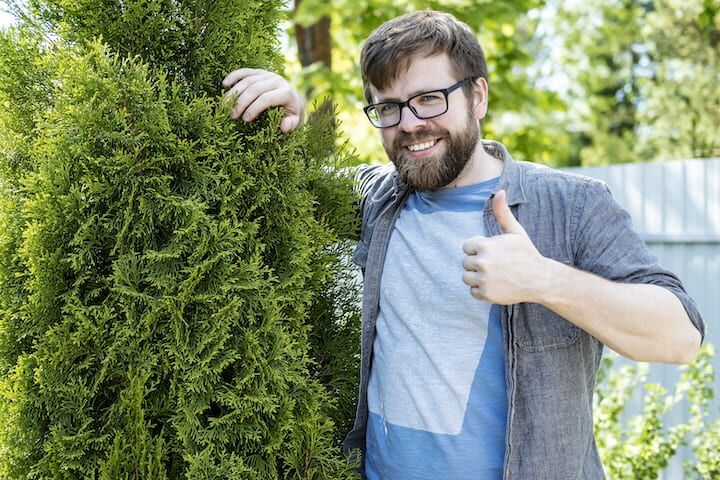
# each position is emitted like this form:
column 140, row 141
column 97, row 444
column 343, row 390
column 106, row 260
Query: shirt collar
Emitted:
column 511, row 178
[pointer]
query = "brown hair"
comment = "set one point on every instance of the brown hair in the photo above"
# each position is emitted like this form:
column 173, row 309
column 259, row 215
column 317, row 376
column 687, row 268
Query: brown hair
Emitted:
column 389, row 50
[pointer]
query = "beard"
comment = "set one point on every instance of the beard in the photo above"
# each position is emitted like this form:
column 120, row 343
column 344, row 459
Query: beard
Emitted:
column 437, row 171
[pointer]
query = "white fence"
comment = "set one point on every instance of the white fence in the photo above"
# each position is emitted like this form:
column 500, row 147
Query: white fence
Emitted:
column 675, row 206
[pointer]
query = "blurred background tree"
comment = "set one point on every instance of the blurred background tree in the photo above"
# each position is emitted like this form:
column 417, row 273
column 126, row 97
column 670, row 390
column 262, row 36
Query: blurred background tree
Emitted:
column 645, row 77
column 571, row 82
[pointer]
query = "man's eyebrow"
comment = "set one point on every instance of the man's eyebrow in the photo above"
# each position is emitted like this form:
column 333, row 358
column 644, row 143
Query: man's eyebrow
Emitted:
column 413, row 94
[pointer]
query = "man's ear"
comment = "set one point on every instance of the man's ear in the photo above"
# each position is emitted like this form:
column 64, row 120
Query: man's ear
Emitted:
column 480, row 98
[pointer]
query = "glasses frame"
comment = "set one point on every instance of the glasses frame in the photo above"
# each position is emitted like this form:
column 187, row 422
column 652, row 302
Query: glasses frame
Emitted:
column 445, row 91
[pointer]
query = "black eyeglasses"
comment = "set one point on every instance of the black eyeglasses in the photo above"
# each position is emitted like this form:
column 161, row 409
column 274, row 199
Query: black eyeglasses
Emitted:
column 423, row 105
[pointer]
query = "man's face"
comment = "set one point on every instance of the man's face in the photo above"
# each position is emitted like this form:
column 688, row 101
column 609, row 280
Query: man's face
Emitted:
column 430, row 153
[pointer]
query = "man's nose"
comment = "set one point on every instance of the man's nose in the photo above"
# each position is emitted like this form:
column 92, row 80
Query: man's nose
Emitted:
column 408, row 120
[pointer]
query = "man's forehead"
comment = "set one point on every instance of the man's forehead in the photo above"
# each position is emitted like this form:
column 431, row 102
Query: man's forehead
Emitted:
column 422, row 75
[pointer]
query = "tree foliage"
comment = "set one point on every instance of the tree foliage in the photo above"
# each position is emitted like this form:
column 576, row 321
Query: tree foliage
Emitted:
column 681, row 111
column 165, row 273
column 644, row 76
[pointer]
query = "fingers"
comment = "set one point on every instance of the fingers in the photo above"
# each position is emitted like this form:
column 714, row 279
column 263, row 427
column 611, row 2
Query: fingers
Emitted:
column 290, row 123
column 474, row 270
column 235, row 76
column 472, row 279
column 471, row 263
column 474, row 266
column 476, row 283
column 251, row 99
column 473, row 245
column 478, row 294
column 252, row 91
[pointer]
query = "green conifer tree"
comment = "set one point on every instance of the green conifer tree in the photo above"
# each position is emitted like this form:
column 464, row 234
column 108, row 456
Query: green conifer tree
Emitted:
column 168, row 304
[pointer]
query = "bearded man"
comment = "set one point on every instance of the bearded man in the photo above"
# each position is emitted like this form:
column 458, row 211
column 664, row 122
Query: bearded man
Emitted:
column 491, row 286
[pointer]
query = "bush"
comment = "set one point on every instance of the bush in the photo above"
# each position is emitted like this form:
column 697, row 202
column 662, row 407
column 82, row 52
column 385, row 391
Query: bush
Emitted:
column 640, row 447
column 165, row 272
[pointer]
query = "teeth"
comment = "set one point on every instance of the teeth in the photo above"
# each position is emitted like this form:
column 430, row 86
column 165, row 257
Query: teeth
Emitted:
column 421, row 146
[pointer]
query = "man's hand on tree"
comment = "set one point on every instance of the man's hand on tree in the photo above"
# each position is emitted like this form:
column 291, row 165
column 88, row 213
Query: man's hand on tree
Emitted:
column 252, row 91
column 506, row 268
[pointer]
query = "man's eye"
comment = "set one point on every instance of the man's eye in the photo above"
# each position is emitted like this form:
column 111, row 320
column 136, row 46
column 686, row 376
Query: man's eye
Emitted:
column 386, row 108
column 430, row 98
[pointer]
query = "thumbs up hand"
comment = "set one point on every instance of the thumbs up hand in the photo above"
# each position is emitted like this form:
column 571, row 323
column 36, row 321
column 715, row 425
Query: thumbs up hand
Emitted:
column 506, row 268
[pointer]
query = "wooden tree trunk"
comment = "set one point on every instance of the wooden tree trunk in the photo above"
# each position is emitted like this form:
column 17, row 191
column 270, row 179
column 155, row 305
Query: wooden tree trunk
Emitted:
column 314, row 44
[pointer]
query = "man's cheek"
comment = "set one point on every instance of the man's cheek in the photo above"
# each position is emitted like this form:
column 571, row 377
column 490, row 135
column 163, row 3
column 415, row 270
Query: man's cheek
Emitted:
column 387, row 139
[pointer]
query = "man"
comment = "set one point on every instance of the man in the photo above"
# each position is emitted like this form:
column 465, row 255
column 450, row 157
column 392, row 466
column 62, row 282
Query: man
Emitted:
column 496, row 382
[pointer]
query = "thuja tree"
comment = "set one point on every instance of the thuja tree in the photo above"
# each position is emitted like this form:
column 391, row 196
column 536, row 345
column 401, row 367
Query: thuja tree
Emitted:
column 167, row 301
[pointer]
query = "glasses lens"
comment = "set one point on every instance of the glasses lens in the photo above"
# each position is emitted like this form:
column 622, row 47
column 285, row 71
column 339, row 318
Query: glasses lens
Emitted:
column 429, row 104
column 384, row 114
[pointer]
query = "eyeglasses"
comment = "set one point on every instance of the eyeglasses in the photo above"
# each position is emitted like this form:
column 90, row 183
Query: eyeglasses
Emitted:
column 423, row 105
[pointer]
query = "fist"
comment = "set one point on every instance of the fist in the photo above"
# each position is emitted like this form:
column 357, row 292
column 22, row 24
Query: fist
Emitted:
column 506, row 268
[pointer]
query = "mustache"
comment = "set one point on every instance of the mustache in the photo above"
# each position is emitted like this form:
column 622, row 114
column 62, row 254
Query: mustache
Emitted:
column 403, row 139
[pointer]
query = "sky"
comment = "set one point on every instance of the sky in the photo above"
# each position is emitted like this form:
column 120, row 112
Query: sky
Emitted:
column 5, row 19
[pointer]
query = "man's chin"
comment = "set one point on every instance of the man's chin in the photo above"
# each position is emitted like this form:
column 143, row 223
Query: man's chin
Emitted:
column 423, row 181
column 423, row 174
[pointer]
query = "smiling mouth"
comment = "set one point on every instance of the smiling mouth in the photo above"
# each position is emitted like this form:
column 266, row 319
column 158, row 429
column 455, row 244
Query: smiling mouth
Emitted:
column 419, row 147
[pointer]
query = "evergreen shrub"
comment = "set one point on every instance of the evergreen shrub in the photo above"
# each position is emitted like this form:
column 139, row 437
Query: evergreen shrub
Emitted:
column 168, row 287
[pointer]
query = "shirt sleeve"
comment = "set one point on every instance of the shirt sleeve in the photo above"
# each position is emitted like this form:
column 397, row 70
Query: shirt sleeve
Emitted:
column 605, row 243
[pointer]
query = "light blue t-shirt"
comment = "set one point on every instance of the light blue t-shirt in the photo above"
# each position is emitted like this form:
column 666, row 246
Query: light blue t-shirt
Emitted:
column 437, row 394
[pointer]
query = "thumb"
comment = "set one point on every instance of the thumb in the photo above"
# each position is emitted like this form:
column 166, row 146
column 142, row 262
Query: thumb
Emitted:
column 503, row 215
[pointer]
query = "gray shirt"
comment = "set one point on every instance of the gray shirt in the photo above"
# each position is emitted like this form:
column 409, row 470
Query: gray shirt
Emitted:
column 551, row 364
